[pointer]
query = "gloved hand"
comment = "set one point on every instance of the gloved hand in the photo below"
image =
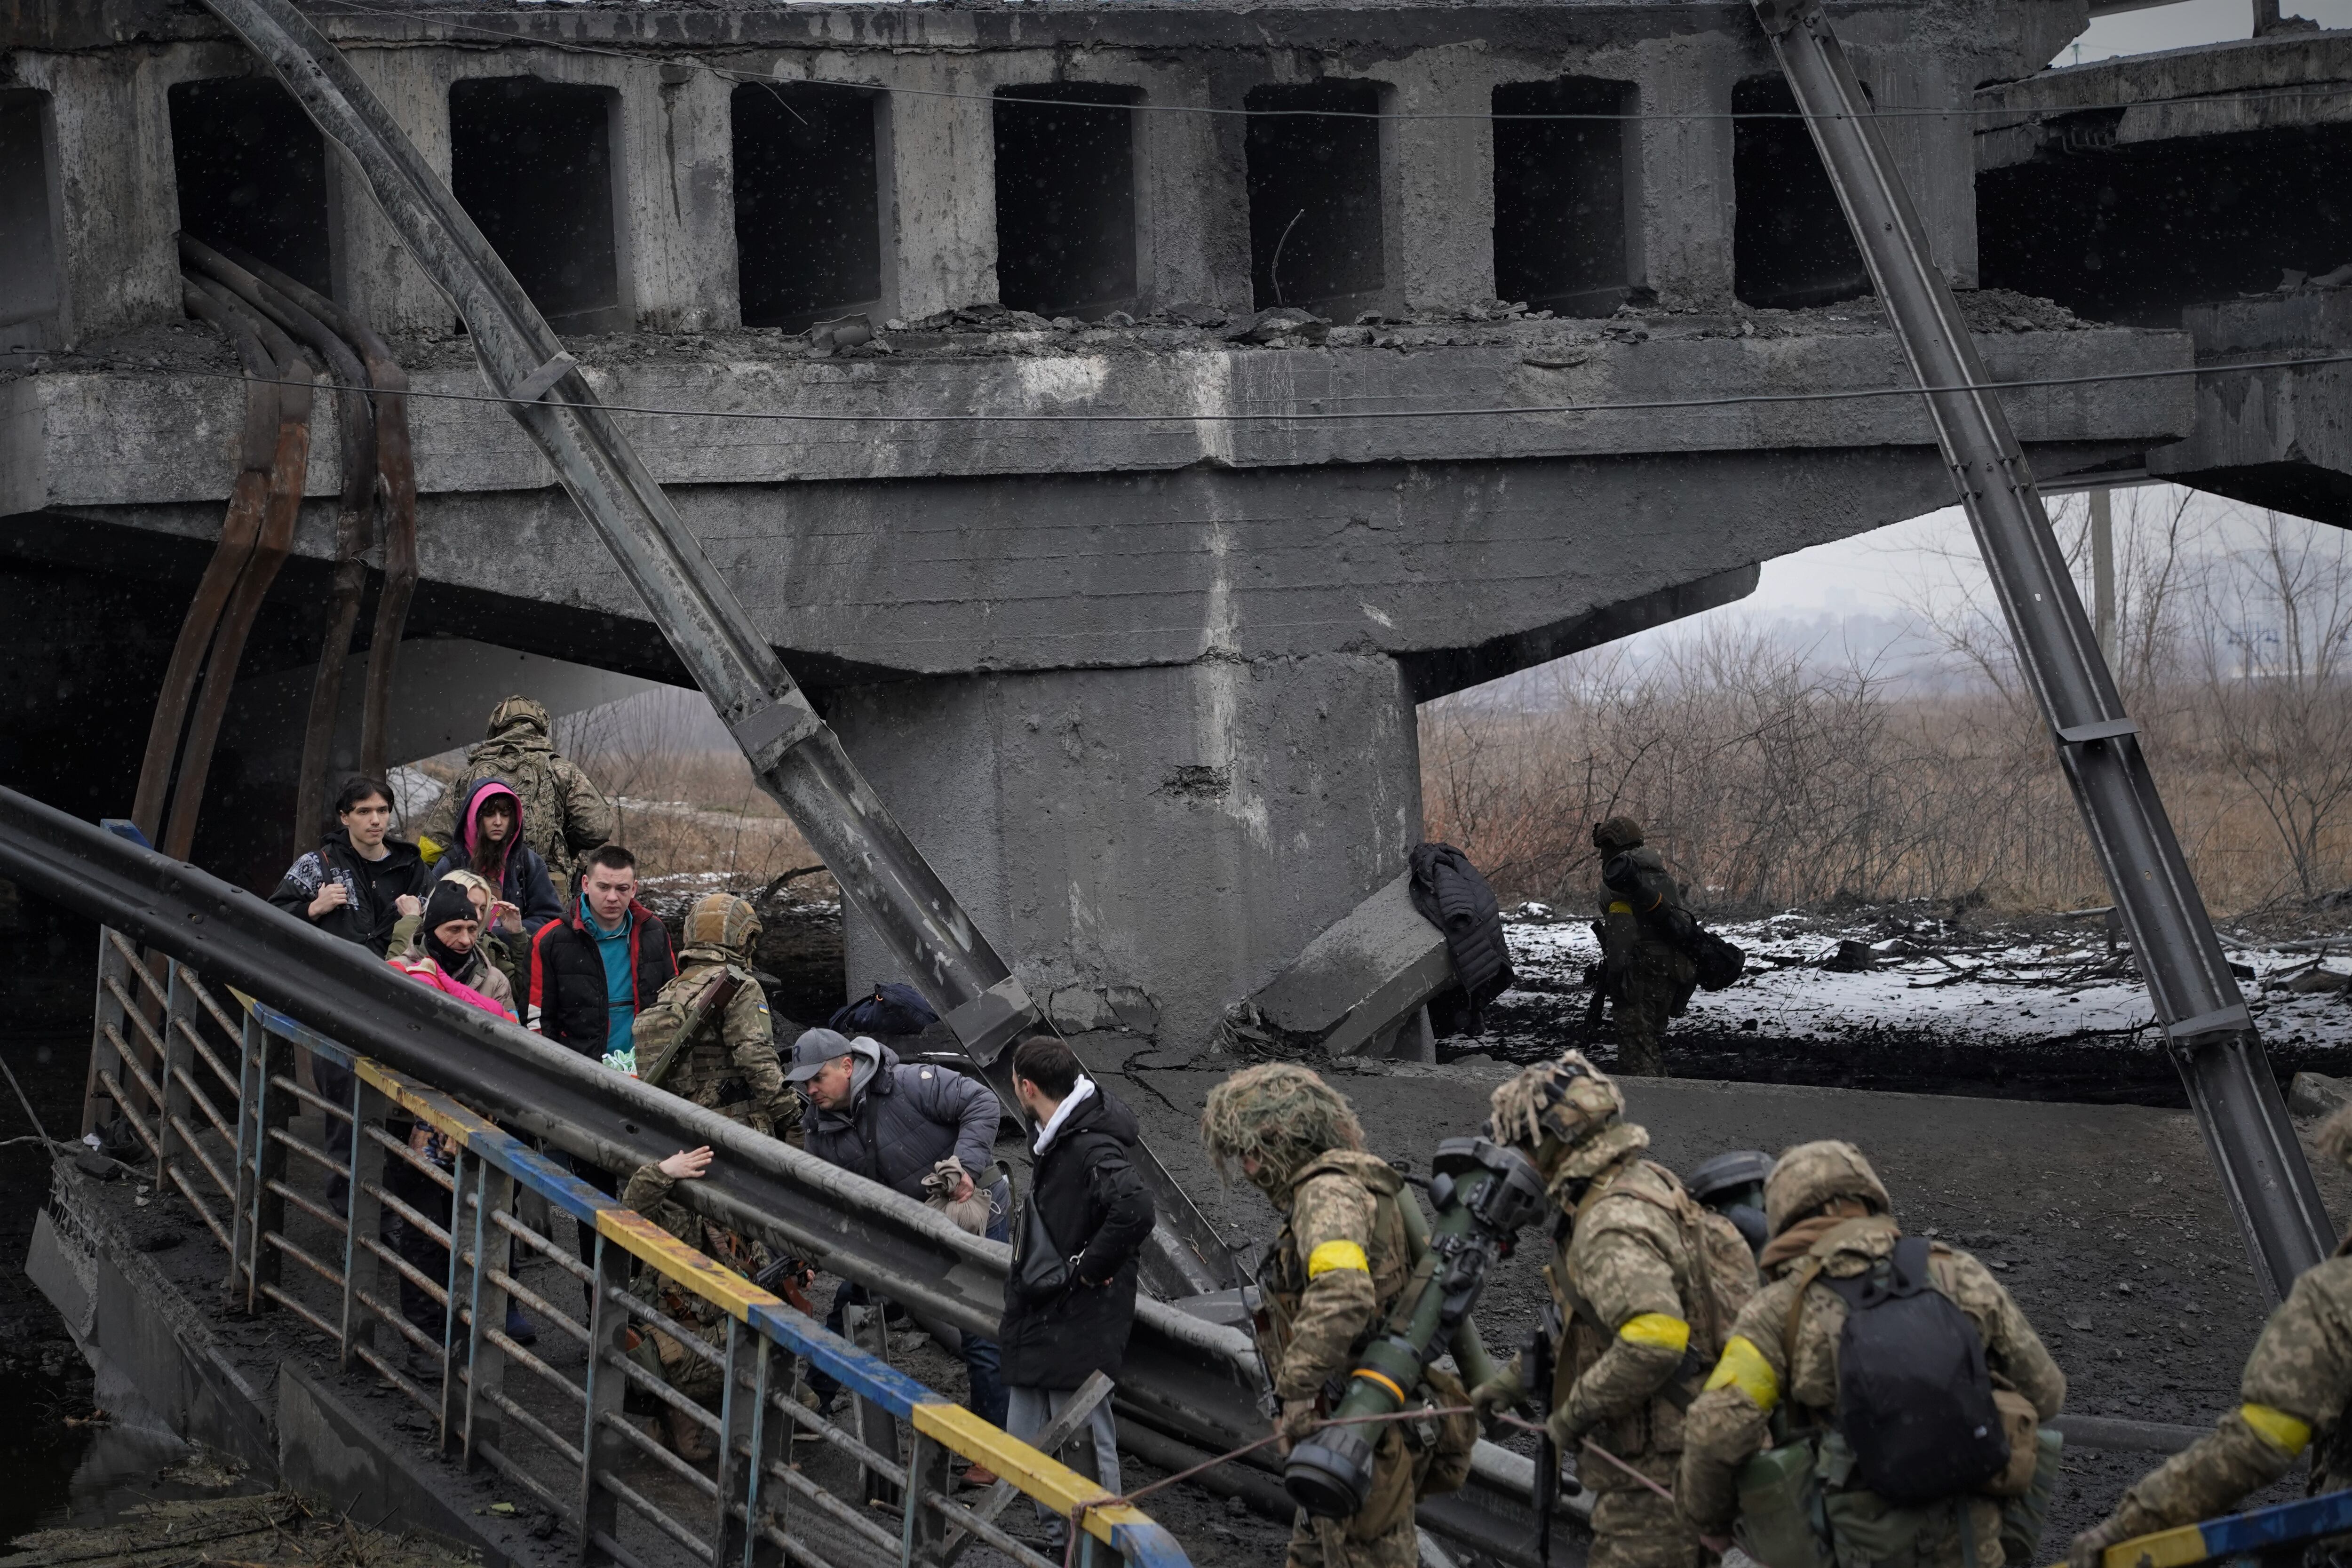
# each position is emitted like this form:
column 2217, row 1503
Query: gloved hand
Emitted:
column 1497, row 1394
column 2089, row 1548
column 1566, row 1436
column 1297, row 1419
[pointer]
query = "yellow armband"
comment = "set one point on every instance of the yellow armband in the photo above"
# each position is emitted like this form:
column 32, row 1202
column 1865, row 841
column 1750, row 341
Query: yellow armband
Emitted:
column 1656, row 1329
column 1337, row 1255
column 2281, row 1431
column 1743, row 1367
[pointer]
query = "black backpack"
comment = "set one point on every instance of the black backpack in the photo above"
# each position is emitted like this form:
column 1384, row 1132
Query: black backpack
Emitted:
column 894, row 1007
column 1915, row 1401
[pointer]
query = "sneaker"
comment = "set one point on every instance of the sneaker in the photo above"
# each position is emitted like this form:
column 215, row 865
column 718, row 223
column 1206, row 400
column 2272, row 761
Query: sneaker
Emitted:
column 519, row 1328
column 979, row 1475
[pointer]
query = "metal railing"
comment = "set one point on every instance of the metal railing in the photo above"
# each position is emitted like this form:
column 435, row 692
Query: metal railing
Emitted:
column 409, row 1251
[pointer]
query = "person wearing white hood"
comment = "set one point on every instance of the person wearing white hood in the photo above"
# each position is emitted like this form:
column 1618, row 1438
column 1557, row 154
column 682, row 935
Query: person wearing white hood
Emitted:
column 1069, row 1303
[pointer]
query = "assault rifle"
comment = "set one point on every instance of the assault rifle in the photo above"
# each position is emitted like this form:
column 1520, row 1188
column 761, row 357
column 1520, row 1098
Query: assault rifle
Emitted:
column 710, row 1011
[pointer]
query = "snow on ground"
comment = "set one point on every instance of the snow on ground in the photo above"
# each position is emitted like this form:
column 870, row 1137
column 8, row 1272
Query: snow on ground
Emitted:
column 1989, row 991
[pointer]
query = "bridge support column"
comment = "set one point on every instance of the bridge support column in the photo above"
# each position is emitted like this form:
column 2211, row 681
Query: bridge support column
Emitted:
column 1148, row 844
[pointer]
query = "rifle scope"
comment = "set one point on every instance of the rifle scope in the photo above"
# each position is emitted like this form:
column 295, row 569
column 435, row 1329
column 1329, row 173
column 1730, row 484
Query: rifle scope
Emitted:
column 1483, row 1193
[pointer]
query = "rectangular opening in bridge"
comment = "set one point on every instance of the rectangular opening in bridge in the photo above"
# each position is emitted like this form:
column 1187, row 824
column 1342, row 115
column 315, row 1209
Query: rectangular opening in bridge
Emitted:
column 30, row 293
column 1315, row 217
column 2133, row 233
column 1559, row 196
column 808, row 231
column 1065, row 197
column 531, row 162
column 1791, row 246
column 252, row 173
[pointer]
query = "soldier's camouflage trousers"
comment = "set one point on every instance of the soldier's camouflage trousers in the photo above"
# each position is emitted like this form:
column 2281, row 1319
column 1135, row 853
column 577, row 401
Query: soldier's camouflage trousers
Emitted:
column 1324, row 1544
column 1638, row 1529
column 1646, row 998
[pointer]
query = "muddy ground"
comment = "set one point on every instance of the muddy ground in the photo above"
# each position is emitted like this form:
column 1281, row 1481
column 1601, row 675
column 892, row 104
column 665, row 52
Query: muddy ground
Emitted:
column 2103, row 1220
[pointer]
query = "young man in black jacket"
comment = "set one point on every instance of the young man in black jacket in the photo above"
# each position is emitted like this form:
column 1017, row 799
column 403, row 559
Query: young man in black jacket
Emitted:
column 591, row 974
column 1088, row 1205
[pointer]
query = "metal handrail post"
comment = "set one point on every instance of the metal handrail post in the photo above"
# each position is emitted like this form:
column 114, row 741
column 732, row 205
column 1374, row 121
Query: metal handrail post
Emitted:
column 456, row 1289
column 485, row 1362
column 276, row 1111
column 758, row 1428
column 112, row 965
column 251, row 1060
column 180, row 1013
column 600, row 1448
column 2263, row 1174
column 926, row 1531
column 723, row 1472
column 363, row 1213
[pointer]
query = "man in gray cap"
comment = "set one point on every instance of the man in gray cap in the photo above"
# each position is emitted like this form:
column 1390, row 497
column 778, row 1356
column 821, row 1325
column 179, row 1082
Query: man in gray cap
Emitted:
column 899, row 1124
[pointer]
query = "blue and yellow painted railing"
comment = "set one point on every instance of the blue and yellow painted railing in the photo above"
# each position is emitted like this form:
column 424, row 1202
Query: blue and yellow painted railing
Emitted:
column 2240, row 1536
column 1121, row 1527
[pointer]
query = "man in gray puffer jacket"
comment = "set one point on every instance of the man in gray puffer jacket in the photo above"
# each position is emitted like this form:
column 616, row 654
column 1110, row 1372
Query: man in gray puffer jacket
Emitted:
column 893, row 1124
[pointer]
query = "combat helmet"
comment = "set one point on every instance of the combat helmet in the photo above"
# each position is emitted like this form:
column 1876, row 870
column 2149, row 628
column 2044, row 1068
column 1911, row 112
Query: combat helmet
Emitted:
column 1616, row 835
column 723, row 922
column 1564, row 1114
column 1812, row 1175
column 516, row 711
column 1281, row 1115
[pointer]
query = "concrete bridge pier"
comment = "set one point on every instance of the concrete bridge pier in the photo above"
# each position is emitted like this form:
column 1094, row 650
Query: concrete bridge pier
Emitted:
column 1152, row 843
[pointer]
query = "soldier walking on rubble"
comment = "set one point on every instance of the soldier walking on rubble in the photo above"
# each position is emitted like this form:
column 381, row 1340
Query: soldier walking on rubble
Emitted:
column 1894, row 1382
column 564, row 814
column 2295, row 1393
column 1338, row 1267
column 709, row 1037
column 1645, row 977
column 1645, row 1287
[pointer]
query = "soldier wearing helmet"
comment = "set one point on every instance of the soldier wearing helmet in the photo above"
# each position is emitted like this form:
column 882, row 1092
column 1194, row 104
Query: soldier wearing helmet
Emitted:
column 563, row 813
column 1647, row 977
column 1777, row 1385
column 1644, row 1287
column 2294, row 1394
column 709, row 1037
column 1330, row 1279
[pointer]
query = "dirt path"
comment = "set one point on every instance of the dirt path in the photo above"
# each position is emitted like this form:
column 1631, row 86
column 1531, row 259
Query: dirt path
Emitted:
column 2103, row 1220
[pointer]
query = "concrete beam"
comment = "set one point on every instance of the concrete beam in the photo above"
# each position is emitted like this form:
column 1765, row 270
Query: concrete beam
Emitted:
column 2277, row 438
column 1352, row 985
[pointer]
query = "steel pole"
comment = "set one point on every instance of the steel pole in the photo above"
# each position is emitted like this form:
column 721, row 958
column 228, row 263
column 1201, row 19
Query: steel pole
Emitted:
column 2205, row 1021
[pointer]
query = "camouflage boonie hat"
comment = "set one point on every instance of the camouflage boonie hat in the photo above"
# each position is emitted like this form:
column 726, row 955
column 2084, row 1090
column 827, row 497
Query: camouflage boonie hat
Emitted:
column 519, row 710
column 722, row 920
column 1280, row 1113
column 1616, row 835
column 1811, row 1174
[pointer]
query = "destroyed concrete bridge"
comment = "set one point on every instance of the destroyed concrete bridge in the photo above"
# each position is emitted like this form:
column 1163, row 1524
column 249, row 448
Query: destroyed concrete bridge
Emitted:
column 1125, row 619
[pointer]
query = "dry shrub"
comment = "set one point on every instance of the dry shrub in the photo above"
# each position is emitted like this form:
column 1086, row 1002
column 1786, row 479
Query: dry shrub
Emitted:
column 1773, row 778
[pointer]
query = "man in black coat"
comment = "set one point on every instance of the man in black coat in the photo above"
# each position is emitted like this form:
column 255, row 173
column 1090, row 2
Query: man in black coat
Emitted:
column 1070, row 1302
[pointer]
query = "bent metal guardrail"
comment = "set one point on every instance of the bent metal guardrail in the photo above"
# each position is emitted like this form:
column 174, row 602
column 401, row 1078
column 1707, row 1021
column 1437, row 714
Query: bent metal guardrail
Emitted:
column 398, row 1250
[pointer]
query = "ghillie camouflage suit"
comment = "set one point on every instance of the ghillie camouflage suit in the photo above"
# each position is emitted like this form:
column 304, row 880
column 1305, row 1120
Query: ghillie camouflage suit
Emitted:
column 1338, row 1267
column 731, row 1066
column 2294, row 1394
column 1648, row 979
column 1645, row 1283
column 564, row 816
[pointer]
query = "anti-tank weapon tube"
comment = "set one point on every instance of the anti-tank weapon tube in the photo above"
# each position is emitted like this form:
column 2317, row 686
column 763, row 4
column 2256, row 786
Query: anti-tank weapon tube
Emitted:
column 1483, row 1194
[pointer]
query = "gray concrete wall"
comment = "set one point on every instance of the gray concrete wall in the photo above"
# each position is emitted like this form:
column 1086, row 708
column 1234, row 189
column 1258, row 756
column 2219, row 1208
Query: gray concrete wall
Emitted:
column 674, row 148
column 1181, row 831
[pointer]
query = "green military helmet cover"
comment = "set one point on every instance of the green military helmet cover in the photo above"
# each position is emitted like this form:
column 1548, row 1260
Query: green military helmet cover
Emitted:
column 722, row 920
column 1280, row 1114
column 1615, row 835
column 1565, row 1114
column 519, row 710
column 1812, row 1175
column 2334, row 1136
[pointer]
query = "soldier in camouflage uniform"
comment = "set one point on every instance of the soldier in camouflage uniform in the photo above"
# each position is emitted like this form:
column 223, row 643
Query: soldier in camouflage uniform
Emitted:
column 1339, row 1265
column 729, row 1066
column 1648, row 979
column 2295, row 1391
column 1829, row 1219
column 657, row 1350
column 564, row 816
column 1645, row 1283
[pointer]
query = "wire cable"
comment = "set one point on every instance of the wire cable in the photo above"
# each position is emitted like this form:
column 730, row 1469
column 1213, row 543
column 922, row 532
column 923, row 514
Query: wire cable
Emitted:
column 2029, row 115
column 1649, row 406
